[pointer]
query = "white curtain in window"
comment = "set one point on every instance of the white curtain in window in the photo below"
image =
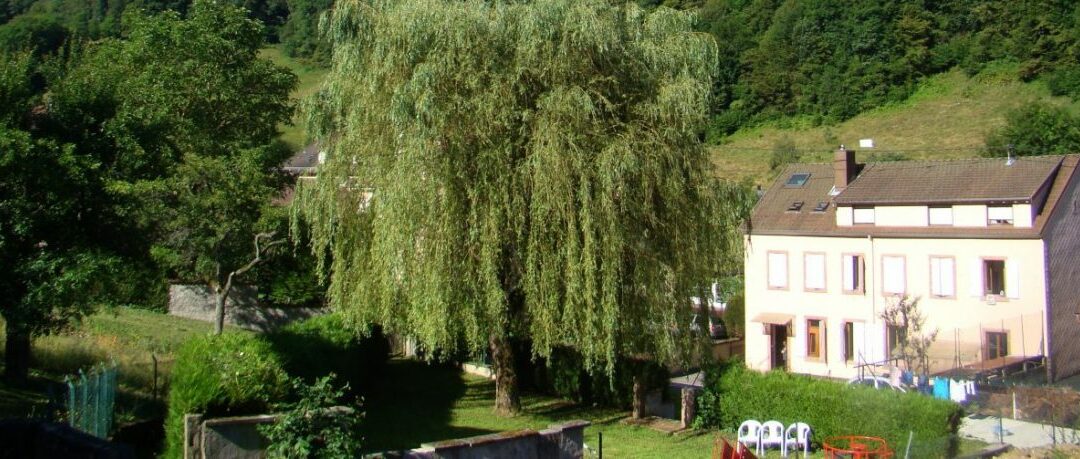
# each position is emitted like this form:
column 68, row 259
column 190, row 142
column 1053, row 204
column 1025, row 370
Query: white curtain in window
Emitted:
column 893, row 273
column 863, row 215
column 1012, row 278
column 999, row 213
column 975, row 277
column 815, row 271
column 848, row 272
column 942, row 277
column 941, row 216
column 778, row 270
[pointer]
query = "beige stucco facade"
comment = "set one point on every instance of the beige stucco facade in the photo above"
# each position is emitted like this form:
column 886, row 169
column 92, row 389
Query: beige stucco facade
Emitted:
column 962, row 319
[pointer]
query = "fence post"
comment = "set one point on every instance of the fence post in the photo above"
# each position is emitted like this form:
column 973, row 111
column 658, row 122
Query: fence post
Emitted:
column 155, row 389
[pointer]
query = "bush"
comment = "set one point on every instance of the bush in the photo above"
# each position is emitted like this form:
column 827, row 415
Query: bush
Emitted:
column 315, row 426
column 1037, row 128
column 734, row 394
column 314, row 347
column 231, row 374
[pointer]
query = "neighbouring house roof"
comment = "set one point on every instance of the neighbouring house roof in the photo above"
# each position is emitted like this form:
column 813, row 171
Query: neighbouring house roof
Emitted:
column 984, row 180
column 968, row 181
column 304, row 161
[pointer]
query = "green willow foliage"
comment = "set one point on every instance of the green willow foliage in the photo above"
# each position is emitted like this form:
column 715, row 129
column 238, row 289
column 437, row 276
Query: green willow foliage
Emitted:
column 519, row 169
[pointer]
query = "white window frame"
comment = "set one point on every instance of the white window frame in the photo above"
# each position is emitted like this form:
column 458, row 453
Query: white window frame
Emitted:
column 999, row 215
column 940, row 216
column 814, row 271
column 887, row 279
column 942, row 280
column 862, row 215
column 773, row 259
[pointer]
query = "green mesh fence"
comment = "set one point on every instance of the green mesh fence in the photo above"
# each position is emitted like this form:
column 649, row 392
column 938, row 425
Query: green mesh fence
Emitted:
column 90, row 401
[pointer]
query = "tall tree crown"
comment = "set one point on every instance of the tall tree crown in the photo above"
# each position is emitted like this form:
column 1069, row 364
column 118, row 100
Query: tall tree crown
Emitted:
column 526, row 168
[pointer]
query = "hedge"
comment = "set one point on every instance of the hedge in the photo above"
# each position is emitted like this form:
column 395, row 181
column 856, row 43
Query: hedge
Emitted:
column 324, row 344
column 734, row 394
column 232, row 374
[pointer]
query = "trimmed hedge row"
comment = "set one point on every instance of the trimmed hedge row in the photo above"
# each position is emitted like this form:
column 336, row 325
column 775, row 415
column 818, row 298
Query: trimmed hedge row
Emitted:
column 232, row 374
column 734, row 394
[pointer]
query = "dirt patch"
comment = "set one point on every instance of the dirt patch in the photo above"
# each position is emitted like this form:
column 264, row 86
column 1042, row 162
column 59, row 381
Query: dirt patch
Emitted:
column 1049, row 405
column 1060, row 451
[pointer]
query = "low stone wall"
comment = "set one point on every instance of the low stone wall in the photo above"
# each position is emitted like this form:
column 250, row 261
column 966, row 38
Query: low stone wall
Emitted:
column 558, row 441
column 195, row 301
column 233, row 437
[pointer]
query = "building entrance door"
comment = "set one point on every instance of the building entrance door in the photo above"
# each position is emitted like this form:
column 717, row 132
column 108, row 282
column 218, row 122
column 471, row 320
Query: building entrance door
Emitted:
column 779, row 346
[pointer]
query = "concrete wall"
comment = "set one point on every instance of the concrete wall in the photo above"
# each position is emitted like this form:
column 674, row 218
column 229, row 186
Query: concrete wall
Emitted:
column 242, row 309
column 558, row 441
column 961, row 320
column 232, row 437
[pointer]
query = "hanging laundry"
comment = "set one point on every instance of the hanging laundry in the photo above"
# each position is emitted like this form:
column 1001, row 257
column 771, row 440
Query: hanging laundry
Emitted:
column 957, row 391
column 941, row 388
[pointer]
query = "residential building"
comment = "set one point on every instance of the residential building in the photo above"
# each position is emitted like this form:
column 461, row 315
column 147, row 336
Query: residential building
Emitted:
column 990, row 247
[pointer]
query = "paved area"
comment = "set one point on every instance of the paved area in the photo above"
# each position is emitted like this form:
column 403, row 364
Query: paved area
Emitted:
column 1020, row 434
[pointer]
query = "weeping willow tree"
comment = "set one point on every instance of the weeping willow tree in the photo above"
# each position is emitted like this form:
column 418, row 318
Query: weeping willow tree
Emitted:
column 518, row 170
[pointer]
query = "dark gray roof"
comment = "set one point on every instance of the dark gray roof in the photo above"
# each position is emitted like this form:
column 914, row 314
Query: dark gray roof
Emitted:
column 304, row 161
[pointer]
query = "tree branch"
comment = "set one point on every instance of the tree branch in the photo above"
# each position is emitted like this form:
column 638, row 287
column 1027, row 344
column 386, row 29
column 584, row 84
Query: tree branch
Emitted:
column 260, row 250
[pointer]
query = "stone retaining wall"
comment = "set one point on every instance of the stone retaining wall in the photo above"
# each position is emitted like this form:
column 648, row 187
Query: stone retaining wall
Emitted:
column 195, row 301
column 558, row 441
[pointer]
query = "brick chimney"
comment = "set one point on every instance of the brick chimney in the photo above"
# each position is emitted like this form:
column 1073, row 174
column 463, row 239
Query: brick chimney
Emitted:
column 844, row 168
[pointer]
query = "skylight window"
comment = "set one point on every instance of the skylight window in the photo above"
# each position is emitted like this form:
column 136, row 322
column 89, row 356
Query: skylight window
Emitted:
column 797, row 180
column 821, row 206
column 795, row 206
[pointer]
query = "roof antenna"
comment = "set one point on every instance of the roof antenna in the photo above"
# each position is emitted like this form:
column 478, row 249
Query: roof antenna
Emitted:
column 1012, row 159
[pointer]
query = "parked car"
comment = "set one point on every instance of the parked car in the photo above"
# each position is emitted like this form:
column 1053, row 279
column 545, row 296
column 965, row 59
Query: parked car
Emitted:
column 877, row 382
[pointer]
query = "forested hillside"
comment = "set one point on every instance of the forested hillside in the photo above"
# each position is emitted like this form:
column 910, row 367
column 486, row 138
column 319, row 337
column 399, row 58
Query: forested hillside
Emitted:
column 820, row 62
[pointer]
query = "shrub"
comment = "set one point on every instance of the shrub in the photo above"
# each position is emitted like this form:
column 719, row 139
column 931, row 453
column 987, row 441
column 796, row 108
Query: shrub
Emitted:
column 1037, row 128
column 231, row 374
column 325, row 344
column 734, row 394
column 315, row 426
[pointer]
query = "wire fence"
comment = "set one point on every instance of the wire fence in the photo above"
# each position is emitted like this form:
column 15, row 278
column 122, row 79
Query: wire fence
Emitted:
column 91, row 400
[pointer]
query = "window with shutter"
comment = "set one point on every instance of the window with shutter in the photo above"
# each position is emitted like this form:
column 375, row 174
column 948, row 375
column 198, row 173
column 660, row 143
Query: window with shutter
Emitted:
column 778, row 271
column 942, row 277
column 814, row 272
column 853, row 271
column 894, row 282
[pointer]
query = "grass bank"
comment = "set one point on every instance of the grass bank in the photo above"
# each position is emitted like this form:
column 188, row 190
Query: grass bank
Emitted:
column 947, row 117
column 310, row 78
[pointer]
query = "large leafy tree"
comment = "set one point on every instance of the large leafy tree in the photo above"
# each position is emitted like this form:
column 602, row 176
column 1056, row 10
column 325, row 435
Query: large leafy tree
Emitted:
column 501, row 170
column 53, row 268
column 160, row 141
column 191, row 113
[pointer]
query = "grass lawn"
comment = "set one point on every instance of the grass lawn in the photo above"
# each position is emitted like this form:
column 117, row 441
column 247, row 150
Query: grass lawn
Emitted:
column 947, row 117
column 132, row 338
column 310, row 79
column 416, row 403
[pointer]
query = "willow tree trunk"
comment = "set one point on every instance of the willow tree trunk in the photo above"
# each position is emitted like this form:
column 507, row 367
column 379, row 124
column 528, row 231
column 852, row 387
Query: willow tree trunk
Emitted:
column 507, row 399
column 16, row 353
column 639, row 396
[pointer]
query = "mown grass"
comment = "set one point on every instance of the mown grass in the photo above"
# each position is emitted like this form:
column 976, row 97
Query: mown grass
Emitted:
column 947, row 117
column 415, row 403
column 311, row 77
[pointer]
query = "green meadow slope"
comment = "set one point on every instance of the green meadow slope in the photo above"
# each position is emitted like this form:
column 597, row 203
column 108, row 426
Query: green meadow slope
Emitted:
column 947, row 117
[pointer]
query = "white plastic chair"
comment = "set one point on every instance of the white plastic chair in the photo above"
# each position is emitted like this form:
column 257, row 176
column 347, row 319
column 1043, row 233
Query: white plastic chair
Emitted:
column 797, row 436
column 750, row 433
column 772, row 434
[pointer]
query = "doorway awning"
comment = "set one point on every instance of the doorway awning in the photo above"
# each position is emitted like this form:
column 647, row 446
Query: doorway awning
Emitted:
column 775, row 318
